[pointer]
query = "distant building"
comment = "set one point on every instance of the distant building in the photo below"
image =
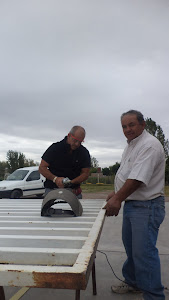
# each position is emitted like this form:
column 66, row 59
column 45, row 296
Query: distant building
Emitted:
column 97, row 174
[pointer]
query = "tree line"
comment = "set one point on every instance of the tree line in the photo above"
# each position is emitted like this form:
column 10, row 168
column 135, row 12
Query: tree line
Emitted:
column 15, row 160
column 156, row 131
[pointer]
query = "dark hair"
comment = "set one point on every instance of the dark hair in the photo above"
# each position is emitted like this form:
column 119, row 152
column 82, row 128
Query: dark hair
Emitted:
column 138, row 114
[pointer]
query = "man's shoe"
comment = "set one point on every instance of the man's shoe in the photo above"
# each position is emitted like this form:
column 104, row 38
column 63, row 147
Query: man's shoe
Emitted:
column 124, row 288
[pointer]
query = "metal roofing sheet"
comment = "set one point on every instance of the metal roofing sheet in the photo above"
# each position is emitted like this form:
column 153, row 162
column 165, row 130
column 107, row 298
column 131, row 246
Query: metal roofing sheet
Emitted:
column 47, row 252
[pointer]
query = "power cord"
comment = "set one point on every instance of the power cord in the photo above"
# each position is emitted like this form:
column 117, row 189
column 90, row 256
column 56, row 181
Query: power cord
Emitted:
column 113, row 270
column 110, row 266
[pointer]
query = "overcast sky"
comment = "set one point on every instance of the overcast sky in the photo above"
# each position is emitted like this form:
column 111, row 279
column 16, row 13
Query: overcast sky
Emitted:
column 65, row 63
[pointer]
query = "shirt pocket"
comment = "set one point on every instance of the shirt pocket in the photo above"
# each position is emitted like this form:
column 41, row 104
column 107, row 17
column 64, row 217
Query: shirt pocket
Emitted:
column 125, row 169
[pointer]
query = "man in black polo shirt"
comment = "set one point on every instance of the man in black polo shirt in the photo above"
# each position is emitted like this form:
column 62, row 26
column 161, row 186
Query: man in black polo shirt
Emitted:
column 66, row 163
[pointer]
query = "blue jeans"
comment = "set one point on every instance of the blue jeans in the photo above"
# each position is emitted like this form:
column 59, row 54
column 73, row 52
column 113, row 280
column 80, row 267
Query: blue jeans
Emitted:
column 141, row 222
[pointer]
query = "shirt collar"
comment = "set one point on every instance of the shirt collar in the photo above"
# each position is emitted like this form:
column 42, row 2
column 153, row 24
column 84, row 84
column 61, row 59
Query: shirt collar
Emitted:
column 134, row 141
column 66, row 145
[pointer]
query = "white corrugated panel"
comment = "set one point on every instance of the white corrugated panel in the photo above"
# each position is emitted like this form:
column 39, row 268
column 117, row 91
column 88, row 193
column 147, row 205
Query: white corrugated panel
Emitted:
column 47, row 251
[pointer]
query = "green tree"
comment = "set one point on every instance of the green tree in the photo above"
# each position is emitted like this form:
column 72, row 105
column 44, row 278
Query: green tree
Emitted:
column 114, row 168
column 151, row 126
column 106, row 171
column 167, row 171
column 94, row 162
column 30, row 163
column 3, row 166
column 16, row 160
column 94, row 165
column 157, row 131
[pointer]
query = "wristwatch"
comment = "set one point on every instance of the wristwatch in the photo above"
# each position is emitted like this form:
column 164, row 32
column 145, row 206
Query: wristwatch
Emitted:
column 54, row 179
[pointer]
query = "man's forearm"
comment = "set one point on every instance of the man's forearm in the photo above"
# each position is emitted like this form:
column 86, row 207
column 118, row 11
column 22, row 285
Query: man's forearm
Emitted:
column 81, row 178
column 46, row 173
column 114, row 201
column 129, row 187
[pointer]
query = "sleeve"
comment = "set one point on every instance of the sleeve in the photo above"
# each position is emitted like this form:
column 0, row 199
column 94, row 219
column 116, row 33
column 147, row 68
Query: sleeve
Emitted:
column 86, row 162
column 49, row 154
column 144, row 165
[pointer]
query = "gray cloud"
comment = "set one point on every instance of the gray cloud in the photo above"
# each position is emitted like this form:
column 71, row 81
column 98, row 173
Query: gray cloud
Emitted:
column 65, row 63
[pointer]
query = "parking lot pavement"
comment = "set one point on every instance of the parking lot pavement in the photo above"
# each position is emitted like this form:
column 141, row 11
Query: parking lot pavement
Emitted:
column 111, row 244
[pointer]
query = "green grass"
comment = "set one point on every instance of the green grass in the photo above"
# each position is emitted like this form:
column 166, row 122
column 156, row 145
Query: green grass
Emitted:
column 167, row 190
column 96, row 188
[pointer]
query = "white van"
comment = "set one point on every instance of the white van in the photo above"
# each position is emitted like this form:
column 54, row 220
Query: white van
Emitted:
column 23, row 182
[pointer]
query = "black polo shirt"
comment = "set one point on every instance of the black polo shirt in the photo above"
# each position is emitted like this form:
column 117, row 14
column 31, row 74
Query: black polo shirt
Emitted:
column 64, row 163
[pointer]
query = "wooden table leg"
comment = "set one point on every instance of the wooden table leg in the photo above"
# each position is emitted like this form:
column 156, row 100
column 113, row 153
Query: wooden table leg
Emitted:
column 77, row 295
column 2, row 294
column 94, row 279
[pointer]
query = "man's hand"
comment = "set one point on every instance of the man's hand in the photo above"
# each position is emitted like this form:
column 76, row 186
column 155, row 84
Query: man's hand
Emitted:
column 114, row 200
column 113, row 206
column 59, row 182
column 110, row 196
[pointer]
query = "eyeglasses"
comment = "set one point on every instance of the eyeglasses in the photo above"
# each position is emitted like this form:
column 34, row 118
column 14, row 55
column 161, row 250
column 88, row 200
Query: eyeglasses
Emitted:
column 75, row 139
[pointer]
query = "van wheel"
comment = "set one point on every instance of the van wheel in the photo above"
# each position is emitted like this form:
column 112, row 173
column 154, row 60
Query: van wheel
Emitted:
column 39, row 195
column 16, row 194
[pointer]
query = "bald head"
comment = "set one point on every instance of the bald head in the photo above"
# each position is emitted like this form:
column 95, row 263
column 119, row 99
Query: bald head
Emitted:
column 76, row 136
column 79, row 129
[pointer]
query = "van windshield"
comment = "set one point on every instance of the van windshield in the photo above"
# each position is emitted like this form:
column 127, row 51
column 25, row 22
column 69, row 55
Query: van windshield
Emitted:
column 18, row 175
